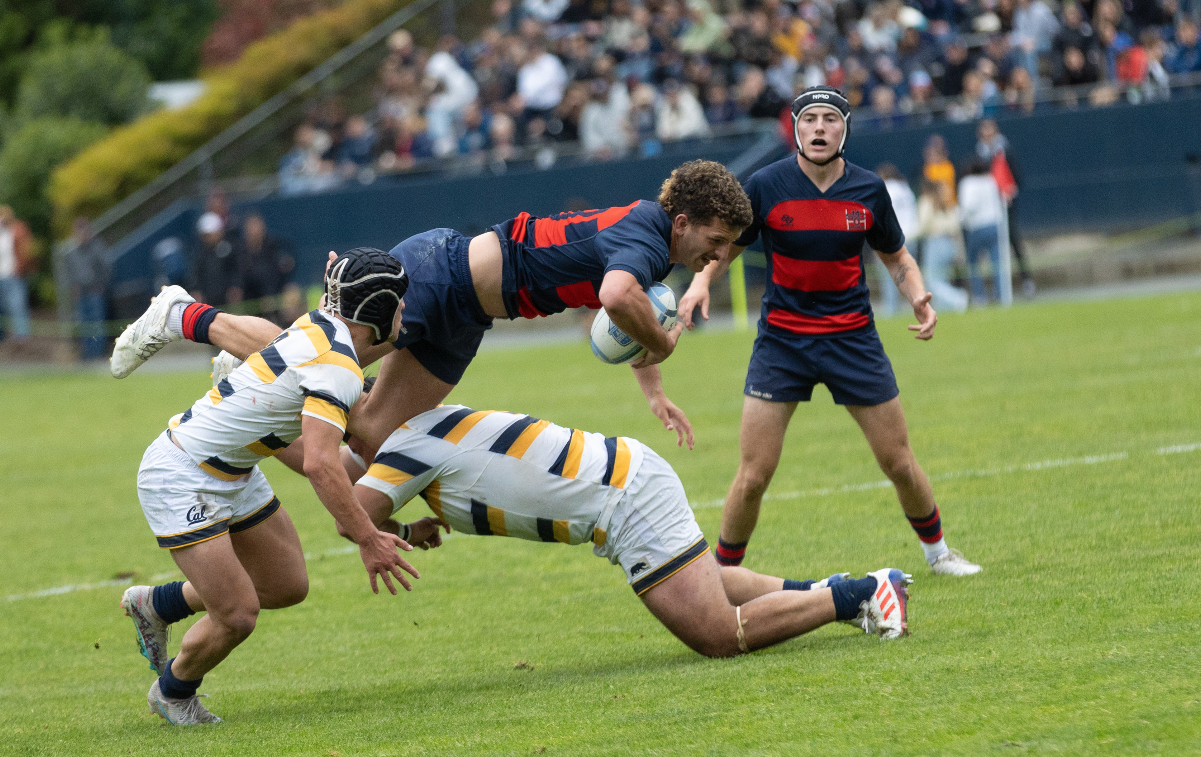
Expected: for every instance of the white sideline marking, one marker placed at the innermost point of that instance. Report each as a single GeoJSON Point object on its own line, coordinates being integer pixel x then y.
{"type": "Point", "coordinates": [844, 489]}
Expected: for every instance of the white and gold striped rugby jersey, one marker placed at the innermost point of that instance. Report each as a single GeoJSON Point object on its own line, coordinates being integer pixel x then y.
{"type": "Point", "coordinates": [500, 473]}
{"type": "Point", "coordinates": [310, 369]}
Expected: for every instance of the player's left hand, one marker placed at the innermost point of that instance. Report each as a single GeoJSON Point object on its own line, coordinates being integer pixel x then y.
{"type": "Point", "coordinates": [673, 419]}
{"type": "Point", "coordinates": [926, 317]}
{"type": "Point", "coordinates": [425, 534]}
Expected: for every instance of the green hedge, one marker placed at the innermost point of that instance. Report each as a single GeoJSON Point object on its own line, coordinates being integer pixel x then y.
{"type": "Point", "coordinates": [132, 156]}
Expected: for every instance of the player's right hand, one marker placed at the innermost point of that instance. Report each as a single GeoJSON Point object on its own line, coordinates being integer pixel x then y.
{"type": "Point", "coordinates": [653, 357]}
{"type": "Point", "coordinates": [425, 534]}
{"type": "Point", "coordinates": [694, 297]}
{"type": "Point", "coordinates": [381, 559]}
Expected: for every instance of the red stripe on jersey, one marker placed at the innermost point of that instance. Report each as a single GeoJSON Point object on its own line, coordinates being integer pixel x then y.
{"type": "Point", "coordinates": [579, 295]}
{"type": "Point", "coordinates": [517, 231]}
{"type": "Point", "coordinates": [526, 307]}
{"type": "Point", "coordinates": [815, 275]}
{"type": "Point", "coordinates": [820, 215]}
{"type": "Point", "coordinates": [551, 231]}
{"type": "Point", "coordinates": [807, 324]}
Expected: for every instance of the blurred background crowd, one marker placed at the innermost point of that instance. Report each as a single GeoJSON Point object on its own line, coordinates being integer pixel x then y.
{"type": "Point", "coordinates": [621, 76]}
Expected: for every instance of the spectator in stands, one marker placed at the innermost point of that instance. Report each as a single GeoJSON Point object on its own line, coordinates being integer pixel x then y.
{"type": "Point", "coordinates": [214, 275]}
{"type": "Point", "coordinates": [1156, 85]}
{"type": "Point", "coordinates": [756, 99]}
{"type": "Point", "coordinates": [706, 32]}
{"type": "Point", "coordinates": [980, 214]}
{"type": "Point", "coordinates": [302, 169]}
{"type": "Point", "coordinates": [503, 137]}
{"type": "Point", "coordinates": [1034, 29]}
{"type": "Point", "coordinates": [263, 268]}
{"type": "Point", "coordinates": [971, 104]}
{"type": "Point", "coordinates": [452, 89]}
{"type": "Point", "coordinates": [752, 40]}
{"type": "Point", "coordinates": [541, 82]}
{"type": "Point", "coordinates": [544, 11]}
{"type": "Point", "coordinates": [1185, 57]}
{"type": "Point", "coordinates": [884, 114]}
{"type": "Point", "coordinates": [720, 109]}
{"type": "Point", "coordinates": [88, 268]}
{"type": "Point", "coordinates": [473, 129]}
{"type": "Point", "coordinates": [16, 263]}
{"type": "Point", "coordinates": [1019, 92]}
{"type": "Point", "coordinates": [939, 232]}
{"type": "Point", "coordinates": [954, 64]}
{"type": "Point", "coordinates": [357, 150]}
{"type": "Point", "coordinates": [938, 166]}
{"type": "Point", "coordinates": [604, 121]}
{"type": "Point", "coordinates": [642, 120]}
{"type": "Point", "coordinates": [411, 144]}
{"type": "Point", "coordinates": [1074, 32]}
{"type": "Point", "coordinates": [878, 28]}
{"type": "Point", "coordinates": [1075, 69]}
{"type": "Point", "coordinates": [564, 123]}
{"type": "Point", "coordinates": [678, 115]}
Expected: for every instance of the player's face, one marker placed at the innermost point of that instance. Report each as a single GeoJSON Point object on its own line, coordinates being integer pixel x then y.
{"type": "Point", "coordinates": [701, 244]}
{"type": "Point", "coordinates": [398, 320]}
{"type": "Point", "coordinates": [819, 132]}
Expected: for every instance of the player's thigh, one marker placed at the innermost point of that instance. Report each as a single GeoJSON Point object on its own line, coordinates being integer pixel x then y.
{"type": "Point", "coordinates": [271, 554]}
{"type": "Point", "coordinates": [692, 605]}
{"type": "Point", "coordinates": [883, 425]}
{"type": "Point", "coordinates": [761, 436]}
{"type": "Point", "coordinates": [218, 576]}
{"type": "Point", "coordinates": [403, 389]}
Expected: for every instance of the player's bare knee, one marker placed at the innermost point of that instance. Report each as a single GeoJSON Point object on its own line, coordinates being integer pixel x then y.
{"type": "Point", "coordinates": [717, 643]}
{"type": "Point", "coordinates": [755, 479]}
{"type": "Point", "coordinates": [289, 595]}
{"type": "Point", "coordinates": [898, 464]}
{"type": "Point", "coordinates": [240, 623]}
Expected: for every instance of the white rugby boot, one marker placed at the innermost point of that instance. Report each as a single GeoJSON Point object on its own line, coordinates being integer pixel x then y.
{"type": "Point", "coordinates": [223, 365]}
{"type": "Point", "coordinates": [887, 612]}
{"type": "Point", "coordinates": [148, 334]}
{"type": "Point", "coordinates": [137, 601]}
{"type": "Point", "coordinates": [178, 711]}
{"type": "Point", "coordinates": [953, 563]}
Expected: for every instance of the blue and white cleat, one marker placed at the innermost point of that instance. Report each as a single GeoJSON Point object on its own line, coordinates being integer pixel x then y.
{"type": "Point", "coordinates": [178, 711]}
{"type": "Point", "coordinates": [152, 631]}
{"type": "Point", "coordinates": [886, 614]}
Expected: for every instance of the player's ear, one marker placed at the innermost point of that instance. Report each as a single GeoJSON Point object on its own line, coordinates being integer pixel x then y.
{"type": "Point", "coordinates": [679, 224]}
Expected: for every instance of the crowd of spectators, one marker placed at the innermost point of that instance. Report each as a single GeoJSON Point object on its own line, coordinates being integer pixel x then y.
{"type": "Point", "coordinates": [624, 76]}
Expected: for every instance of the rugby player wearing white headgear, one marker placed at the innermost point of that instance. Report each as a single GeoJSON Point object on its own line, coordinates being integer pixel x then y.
{"type": "Point", "coordinates": [207, 501]}
{"type": "Point", "coordinates": [815, 211]}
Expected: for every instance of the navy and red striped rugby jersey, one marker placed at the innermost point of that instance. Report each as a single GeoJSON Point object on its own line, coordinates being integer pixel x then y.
{"type": "Point", "coordinates": [558, 262]}
{"type": "Point", "coordinates": [812, 241]}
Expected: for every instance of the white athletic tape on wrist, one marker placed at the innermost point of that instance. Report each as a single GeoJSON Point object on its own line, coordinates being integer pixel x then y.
{"type": "Point", "coordinates": [741, 636]}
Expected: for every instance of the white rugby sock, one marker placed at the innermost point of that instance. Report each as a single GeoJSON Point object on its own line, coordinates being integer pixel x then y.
{"type": "Point", "coordinates": [175, 318]}
{"type": "Point", "coordinates": [934, 550]}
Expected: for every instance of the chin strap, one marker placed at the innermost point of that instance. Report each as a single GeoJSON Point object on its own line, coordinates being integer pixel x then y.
{"type": "Point", "coordinates": [741, 636]}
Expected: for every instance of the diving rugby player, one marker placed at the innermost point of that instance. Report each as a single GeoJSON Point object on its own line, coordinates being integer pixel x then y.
{"type": "Point", "coordinates": [207, 501]}
{"type": "Point", "coordinates": [525, 267]}
{"type": "Point", "coordinates": [815, 211]}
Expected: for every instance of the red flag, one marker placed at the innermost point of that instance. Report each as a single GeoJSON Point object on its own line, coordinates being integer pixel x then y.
{"type": "Point", "coordinates": [1004, 177]}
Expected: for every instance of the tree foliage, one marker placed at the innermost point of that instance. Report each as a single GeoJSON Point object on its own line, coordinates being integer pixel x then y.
{"type": "Point", "coordinates": [30, 154]}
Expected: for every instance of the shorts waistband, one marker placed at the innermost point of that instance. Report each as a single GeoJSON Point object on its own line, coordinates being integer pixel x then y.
{"type": "Point", "coordinates": [167, 442]}
{"type": "Point", "coordinates": [460, 271]}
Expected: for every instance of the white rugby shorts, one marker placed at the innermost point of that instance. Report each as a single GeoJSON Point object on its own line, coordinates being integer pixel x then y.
{"type": "Point", "coordinates": [185, 506]}
{"type": "Point", "coordinates": [652, 533]}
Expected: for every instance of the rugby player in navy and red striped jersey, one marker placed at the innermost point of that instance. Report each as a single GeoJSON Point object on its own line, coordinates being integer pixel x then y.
{"type": "Point", "coordinates": [525, 267]}
{"type": "Point", "coordinates": [814, 212]}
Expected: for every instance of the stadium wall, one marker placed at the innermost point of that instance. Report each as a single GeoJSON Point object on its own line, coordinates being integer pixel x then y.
{"type": "Point", "coordinates": [1098, 169]}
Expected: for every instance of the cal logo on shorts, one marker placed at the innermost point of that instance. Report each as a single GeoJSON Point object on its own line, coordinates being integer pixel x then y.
{"type": "Point", "coordinates": [856, 220]}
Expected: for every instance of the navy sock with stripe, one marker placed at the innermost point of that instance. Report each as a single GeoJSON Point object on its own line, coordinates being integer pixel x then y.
{"type": "Point", "coordinates": [197, 317]}
{"type": "Point", "coordinates": [176, 688]}
{"type": "Point", "coordinates": [791, 585]}
{"type": "Point", "coordinates": [849, 594]}
{"type": "Point", "coordinates": [730, 554]}
{"type": "Point", "coordinates": [169, 603]}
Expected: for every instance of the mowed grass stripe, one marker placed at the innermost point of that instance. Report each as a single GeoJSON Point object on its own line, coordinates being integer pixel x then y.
{"type": "Point", "coordinates": [1079, 637]}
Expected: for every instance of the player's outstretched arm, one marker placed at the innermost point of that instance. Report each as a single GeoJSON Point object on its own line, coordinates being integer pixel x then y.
{"type": "Point", "coordinates": [698, 292]}
{"type": "Point", "coordinates": [325, 472]}
{"type": "Point", "coordinates": [904, 271]}
{"type": "Point", "coordinates": [650, 381]}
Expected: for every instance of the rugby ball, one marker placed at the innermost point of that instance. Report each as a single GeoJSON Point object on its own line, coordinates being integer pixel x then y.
{"type": "Point", "coordinates": [613, 346]}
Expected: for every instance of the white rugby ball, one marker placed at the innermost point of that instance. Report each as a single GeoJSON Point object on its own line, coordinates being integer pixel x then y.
{"type": "Point", "coordinates": [613, 346]}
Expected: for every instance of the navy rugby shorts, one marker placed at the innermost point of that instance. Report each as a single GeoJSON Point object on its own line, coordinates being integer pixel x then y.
{"type": "Point", "coordinates": [443, 320]}
{"type": "Point", "coordinates": [785, 367]}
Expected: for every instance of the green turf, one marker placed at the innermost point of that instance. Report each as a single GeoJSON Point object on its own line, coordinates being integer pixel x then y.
{"type": "Point", "coordinates": [1040, 426]}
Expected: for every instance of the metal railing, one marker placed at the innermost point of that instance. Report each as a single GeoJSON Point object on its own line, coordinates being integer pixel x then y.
{"type": "Point", "coordinates": [223, 153]}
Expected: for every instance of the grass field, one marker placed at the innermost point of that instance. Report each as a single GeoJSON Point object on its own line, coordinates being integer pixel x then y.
{"type": "Point", "coordinates": [1064, 441]}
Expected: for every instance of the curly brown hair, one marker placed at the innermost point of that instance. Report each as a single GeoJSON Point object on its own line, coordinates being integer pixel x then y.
{"type": "Point", "coordinates": [704, 190]}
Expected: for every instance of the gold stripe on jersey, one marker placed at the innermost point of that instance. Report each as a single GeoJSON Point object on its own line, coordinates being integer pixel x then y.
{"type": "Point", "coordinates": [575, 453]}
{"type": "Point", "coordinates": [335, 358]}
{"type": "Point", "coordinates": [621, 465]}
{"type": "Point", "coordinates": [599, 537]}
{"type": "Point", "coordinates": [460, 430]}
{"type": "Point", "coordinates": [527, 438]}
{"type": "Point", "coordinates": [562, 531]}
{"type": "Point", "coordinates": [388, 474]}
{"type": "Point", "coordinates": [325, 409]}
{"type": "Point", "coordinates": [314, 332]}
{"type": "Point", "coordinates": [432, 495]}
{"type": "Point", "coordinates": [214, 396]}
{"type": "Point", "coordinates": [259, 366]}
{"type": "Point", "coordinates": [496, 521]}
